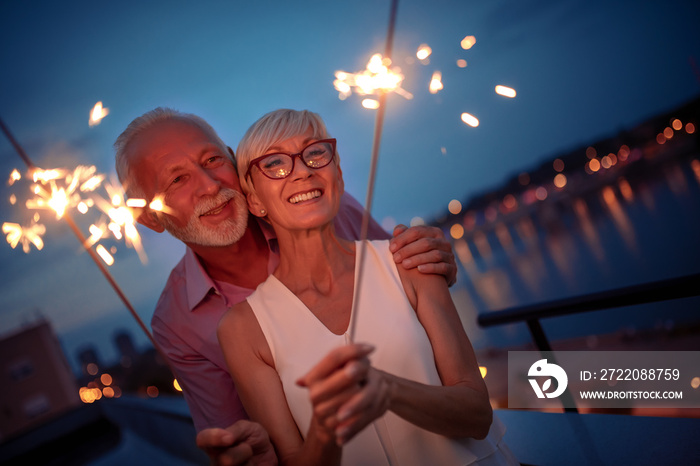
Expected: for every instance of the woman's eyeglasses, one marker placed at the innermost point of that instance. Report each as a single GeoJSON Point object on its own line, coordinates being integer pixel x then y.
{"type": "Point", "coordinates": [280, 164]}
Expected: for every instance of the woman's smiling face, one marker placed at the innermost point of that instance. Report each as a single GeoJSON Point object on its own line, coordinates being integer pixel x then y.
{"type": "Point", "coordinates": [307, 198]}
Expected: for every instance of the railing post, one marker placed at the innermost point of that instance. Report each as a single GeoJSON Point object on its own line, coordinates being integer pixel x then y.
{"type": "Point", "coordinates": [543, 345]}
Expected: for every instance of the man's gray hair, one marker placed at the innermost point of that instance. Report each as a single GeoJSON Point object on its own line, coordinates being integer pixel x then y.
{"type": "Point", "coordinates": [271, 128]}
{"type": "Point", "coordinates": [141, 124]}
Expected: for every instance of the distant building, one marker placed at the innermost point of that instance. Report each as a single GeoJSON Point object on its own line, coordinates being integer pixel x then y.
{"type": "Point", "coordinates": [37, 382]}
{"type": "Point", "coordinates": [126, 348]}
{"type": "Point", "coordinates": [89, 361]}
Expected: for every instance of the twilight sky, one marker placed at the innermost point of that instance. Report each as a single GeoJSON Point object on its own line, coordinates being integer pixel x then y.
{"type": "Point", "coordinates": [582, 70]}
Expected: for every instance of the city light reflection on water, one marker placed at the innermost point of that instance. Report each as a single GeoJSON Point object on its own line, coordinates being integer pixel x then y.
{"type": "Point", "coordinates": [629, 231]}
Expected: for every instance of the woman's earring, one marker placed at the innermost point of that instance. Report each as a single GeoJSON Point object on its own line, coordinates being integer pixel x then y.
{"type": "Point", "coordinates": [262, 212]}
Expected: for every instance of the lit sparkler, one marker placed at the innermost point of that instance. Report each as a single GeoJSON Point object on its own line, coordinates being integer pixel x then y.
{"type": "Point", "coordinates": [378, 77]}
{"type": "Point", "coordinates": [60, 190]}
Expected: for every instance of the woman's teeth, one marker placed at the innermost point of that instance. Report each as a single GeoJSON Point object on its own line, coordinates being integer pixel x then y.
{"type": "Point", "coordinates": [305, 196]}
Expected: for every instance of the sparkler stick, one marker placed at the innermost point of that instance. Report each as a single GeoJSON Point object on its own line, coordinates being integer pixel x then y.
{"type": "Point", "coordinates": [16, 145]}
{"type": "Point", "coordinates": [378, 125]}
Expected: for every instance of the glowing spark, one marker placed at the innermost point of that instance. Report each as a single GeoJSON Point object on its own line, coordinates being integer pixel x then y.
{"type": "Point", "coordinates": [157, 204]}
{"type": "Point", "coordinates": [96, 234]}
{"type": "Point", "coordinates": [44, 176]}
{"type": "Point", "coordinates": [436, 83]}
{"type": "Point", "coordinates": [82, 207]}
{"type": "Point", "coordinates": [14, 176]}
{"type": "Point", "coordinates": [121, 215]}
{"type": "Point", "coordinates": [462, 63]}
{"type": "Point", "coordinates": [122, 218]}
{"type": "Point", "coordinates": [378, 77]}
{"type": "Point", "coordinates": [505, 91]}
{"type": "Point", "coordinates": [371, 104]}
{"type": "Point", "coordinates": [115, 193]}
{"type": "Point", "coordinates": [423, 52]}
{"type": "Point", "coordinates": [471, 120]}
{"type": "Point", "coordinates": [136, 203]}
{"type": "Point", "coordinates": [27, 236]}
{"type": "Point", "coordinates": [58, 202]}
{"type": "Point", "coordinates": [116, 230]}
{"type": "Point", "coordinates": [468, 42]}
{"type": "Point", "coordinates": [92, 184]}
{"type": "Point", "coordinates": [13, 199]}
{"type": "Point", "coordinates": [104, 254]}
{"type": "Point", "coordinates": [97, 114]}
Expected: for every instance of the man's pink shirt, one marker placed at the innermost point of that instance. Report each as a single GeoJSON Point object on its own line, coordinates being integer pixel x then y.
{"type": "Point", "coordinates": [188, 312]}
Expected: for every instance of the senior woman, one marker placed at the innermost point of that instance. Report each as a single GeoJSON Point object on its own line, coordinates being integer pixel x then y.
{"type": "Point", "coordinates": [421, 401]}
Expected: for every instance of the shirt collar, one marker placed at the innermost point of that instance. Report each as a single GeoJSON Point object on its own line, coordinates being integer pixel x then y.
{"type": "Point", "coordinates": [198, 282]}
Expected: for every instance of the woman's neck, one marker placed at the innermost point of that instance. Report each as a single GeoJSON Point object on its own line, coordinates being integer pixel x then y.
{"type": "Point", "coordinates": [313, 259]}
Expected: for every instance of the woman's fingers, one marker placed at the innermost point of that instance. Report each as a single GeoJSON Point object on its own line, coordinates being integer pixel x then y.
{"type": "Point", "coordinates": [336, 379]}
{"type": "Point", "coordinates": [334, 361]}
{"type": "Point", "coordinates": [363, 408]}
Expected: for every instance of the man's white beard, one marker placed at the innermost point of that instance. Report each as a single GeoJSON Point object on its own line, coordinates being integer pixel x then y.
{"type": "Point", "coordinates": [226, 233]}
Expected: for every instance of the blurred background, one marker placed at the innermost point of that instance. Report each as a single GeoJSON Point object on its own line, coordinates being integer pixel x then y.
{"type": "Point", "coordinates": [580, 174]}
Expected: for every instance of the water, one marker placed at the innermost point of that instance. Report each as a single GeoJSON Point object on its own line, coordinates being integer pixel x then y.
{"type": "Point", "coordinates": [634, 229]}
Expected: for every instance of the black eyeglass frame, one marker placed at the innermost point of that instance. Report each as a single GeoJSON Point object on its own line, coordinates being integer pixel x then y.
{"type": "Point", "coordinates": [256, 161]}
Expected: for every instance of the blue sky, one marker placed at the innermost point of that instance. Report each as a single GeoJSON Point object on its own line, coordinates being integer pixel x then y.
{"type": "Point", "coordinates": [582, 69]}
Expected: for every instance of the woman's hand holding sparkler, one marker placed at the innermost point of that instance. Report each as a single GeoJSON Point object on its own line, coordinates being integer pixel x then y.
{"type": "Point", "coordinates": [347, 394]}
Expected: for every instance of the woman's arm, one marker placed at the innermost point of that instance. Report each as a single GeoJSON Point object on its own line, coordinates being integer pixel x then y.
{"type": "Point", "coordinates": [250, 362]}
{"type": "Point", "coordinates": [461, 407]}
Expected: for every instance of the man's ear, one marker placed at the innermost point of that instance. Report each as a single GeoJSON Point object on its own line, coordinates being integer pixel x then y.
{"type": "Point", "coordinates": [149, 219]}
{"type": "Point", "coordinates": [255, 206]}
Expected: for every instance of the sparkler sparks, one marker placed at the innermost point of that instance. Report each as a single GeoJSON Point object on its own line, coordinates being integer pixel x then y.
{"type": "Point", "coordinates": [97, 114]}
{"type": "Point", "coordinates": [378, 77]}
{"type": "Point", "coordinates": [470, 119]}
{"type": "Point", "coordinates": [423, 52]}
{"type": "Point", "coordinates": [468, 42]}
{"type": "Point", "coordinates": [505, 91]}
{"type": "Point", "coordinates": [61, 190]}
{"type": "Point", "coordinates": [436, 83]}
{"type": "Point", "coordinates": [14, 176]}
{"type": "Point", "coordinates": [31, 235]}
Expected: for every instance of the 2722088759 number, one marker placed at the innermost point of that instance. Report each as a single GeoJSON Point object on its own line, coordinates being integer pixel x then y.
{"type": "Point", "coordinates": [639, 374]}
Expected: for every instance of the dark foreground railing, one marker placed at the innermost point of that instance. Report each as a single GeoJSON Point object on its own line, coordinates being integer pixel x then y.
{"type": "Point", "coordinates": [664, 290]}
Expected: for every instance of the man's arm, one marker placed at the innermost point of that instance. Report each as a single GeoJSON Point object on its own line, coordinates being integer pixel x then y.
{"type": "Point", "coordinates": [208, 389]}
{"type": "Point", "coordinates": [426, 248]}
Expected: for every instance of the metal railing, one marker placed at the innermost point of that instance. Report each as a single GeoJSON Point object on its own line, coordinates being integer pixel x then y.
{"type": "Point", "coordinates": [663, 290]}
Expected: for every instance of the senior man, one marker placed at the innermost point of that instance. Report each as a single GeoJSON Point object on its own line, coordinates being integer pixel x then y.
{"type": "Point", "coordinates": [179, 158]}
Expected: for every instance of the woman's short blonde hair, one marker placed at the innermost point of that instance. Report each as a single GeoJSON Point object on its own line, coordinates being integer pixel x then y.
{"type": "Point", "coordinates": [271, 128]}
